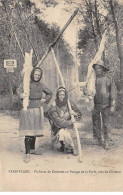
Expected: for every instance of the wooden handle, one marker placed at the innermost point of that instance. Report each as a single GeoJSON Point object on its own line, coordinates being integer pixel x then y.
{"type": "Point", "coordinates": [57, 38]}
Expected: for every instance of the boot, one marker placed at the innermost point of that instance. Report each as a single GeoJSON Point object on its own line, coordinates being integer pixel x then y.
{"type": "Point", "coordinates": [100, 142]}
{"type": "Point", "coordinates": [106, 145]}
{"type": "Point", "coordinates": [95, 141]}
{"type": "Point", "coordinates": [27, 149]}
{"type": "Point", "coordinates": [75, 153]}
{"type": "Point", "coordinates": [28, 141]}
{"type": "Point", "coordinates": [32, 147]}
{"type": "Point", "coordinates": [61, 149]}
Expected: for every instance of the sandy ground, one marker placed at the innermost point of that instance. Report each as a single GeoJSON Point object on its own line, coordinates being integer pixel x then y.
{"type": "Point", "coordinates": [51, 170]}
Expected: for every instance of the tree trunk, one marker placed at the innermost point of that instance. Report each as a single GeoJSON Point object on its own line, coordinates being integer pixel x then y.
{"type": "Point", "coordinates": [120, 55]}
{"type": "Point", "coordinates": [98, 26]}
{"type": "Point", "coordinates": [92, 25]}
{"type": "Point", "coordinates": [119, 48]}
{"type": "Point", "coordinates": [97, 20]}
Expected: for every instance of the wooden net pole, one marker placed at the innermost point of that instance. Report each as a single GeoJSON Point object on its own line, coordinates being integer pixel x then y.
{"type": "Point", "coordinates": [57, 38]}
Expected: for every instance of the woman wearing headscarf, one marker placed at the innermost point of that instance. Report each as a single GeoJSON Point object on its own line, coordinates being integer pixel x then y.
{"type": "Point", "coordinates": [31, 121]}
{"type": "Point", "coordinates": [60, 120]}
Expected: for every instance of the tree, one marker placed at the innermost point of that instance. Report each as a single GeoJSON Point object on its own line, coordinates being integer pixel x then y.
{"type": "Point", "coordinates": [20, 18]}
{"type": "Point", "coordinates": [118, 40]}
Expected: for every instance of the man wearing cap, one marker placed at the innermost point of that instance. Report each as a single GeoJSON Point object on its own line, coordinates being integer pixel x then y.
{"type": "Point", "coordinates": [104, 102]}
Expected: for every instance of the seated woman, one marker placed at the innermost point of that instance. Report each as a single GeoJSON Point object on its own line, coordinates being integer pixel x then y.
{"type": "Point", "coordinates": [60, 120]}
{"type": "Point", "coordinates": [31, 121]}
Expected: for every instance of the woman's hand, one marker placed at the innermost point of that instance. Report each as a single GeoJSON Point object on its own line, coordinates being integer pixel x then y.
{"type": "Point", "coordinates": [73, 113]}
{"type": "Point", "coordinates": [23, 95]}
{"type": "Point", "coordinates": [43, 101]}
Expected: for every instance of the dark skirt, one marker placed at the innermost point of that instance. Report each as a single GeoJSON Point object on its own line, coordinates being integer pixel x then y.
{"type": "Point", "coordinates": [31, 122]}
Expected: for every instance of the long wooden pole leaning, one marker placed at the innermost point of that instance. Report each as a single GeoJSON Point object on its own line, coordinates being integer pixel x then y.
{"type": "Point", "coordinates": [69, 106]}
{"type": "Point", "coordinates": [57, 38]}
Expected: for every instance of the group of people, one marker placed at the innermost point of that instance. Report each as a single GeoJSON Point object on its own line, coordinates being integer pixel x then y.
{"type": "Point", "coordinates": [59, 115]}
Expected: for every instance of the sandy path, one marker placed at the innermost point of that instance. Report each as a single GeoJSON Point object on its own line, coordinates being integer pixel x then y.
{"type": "Point", "coordinates": [61, 167]}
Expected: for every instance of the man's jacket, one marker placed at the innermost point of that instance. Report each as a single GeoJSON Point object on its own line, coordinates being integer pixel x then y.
{"type": "Point", "coordinates": [105, 91]}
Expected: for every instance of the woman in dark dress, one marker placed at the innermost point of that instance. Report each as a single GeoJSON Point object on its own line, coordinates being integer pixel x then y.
{"type": "Point", "coordinates": [31, 121]}
{"type": "Point", "coordinates": [60, 120]}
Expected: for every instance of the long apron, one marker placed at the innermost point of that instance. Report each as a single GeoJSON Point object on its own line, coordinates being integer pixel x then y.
{"type": "Point", "coordinates": [32, 122]}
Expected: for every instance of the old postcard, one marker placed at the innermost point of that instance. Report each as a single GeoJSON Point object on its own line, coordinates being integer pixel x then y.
{"type": "Point", "coordinates": [61, 95]}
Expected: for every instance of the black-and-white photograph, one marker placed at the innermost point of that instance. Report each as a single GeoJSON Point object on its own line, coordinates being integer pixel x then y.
{"type": "Point", "coordinates": [61, 95]}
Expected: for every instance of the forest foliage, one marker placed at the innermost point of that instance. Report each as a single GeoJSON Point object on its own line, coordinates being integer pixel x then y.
{"type": "Point", "coordinates": [21, 17]}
